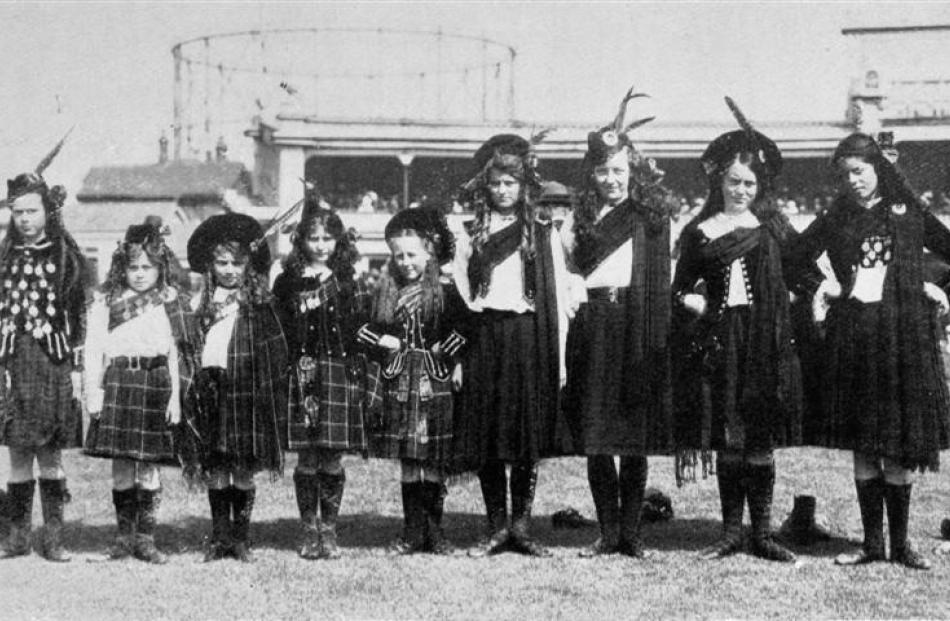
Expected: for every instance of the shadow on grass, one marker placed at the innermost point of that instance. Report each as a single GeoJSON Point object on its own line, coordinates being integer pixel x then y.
{"type": "Point", "coordinates": [375, 532]}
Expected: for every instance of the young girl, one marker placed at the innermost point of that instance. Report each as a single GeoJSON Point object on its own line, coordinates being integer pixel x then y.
{"type": "Point", "coordinates": [242, 384]}
{"type": "Point", "coordinates": [140, 344]}
{"type": "Point", "coordinates": [321, 305]}
{"type": "Point", "coordinates": [748, 375]}
{"type": "Point", "coordinates": [618, 368]}
{"type": "Point", "coordinates": [509, 269]}
{"type": "Point", "coordinates": [884, 392]}
{"type": "Point", "coordinates": [414, 326]}
{"type": "Point", "coordinates": [42, 297]}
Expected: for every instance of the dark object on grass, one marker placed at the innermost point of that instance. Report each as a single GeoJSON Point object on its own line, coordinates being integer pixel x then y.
{"type": "Point", "coordinates": [801, 527]}
{"type": "Point", "coordinates": [945, 528]}
{"type": "Point", "coordinates": [569, 517]}
{"type": "Point", "coordinates": [657, 506]}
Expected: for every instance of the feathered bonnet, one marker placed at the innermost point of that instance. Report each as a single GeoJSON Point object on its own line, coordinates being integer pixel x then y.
{"type": "Point", "coordinates": [721, 152]}
{"type": "Point", "coordinates": [510, 153]}
{"type": "Point", "coordinates": [428, 224]}
{"type": "Point", "coordinates": [33, 182]}
{"type": "Point", "coordinates": [225, 228]}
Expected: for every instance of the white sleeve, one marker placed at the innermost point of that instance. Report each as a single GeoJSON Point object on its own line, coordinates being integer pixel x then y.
{"type": "Point", "coordinates": [174, 403]}
{"type": "Point", "coordinates": [562, 291]}
{"type": "Point", "coordinates": [463, 253]}
{"type": "Point", "coordinates": [97, 333]}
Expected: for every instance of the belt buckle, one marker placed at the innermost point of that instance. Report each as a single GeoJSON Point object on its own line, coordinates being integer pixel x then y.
{"type": "Point", "coordinates": [613, 293]}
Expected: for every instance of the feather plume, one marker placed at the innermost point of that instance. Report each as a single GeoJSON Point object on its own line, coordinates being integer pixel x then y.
{"type": "Point", "coordinates": [638, 123]}
{"type": "Point", "coordinates": [618, 120]}
{"type": "Point", "coordinates": [538, 137]}
{"type": "Point", "coordinates": [740, 118]}
{"type": "Point", "coordinates": [46, 161]}
{"type": "Point", "coordinates": [276, 223]}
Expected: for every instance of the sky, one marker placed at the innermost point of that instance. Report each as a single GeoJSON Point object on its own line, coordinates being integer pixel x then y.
{"type": "Point", "coordinates": [106, 67]}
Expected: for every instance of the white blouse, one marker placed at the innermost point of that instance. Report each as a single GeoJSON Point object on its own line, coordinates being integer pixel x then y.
{"type": "Point", "coordinates": [218, 337]}
{"type": "Point", "coordinates": [614, 271]}
{"type": "Point", "coordinates": [148, 335]}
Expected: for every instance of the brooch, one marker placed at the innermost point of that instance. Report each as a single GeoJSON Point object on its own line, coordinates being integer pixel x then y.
{"type": "Point", "coordinates": [899, 209]}
{"type": "Point", "coordinates": [609, 138]}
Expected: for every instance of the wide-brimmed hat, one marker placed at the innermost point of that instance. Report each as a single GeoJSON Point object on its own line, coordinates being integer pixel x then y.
{"type": "Point", "coordinates": [429, 224]}
{"type": "Point", "coordinates": [225, 228]}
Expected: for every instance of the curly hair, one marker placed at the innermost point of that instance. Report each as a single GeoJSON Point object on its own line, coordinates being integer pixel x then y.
{"type": "Point", "coordinates": [158, 255]}
{"type": "Point", "coordinates": [525, 208]}
{"type": "Point", "coordinates": [763, 205]}
{"type": "Point", "coordinates": [655, 200]}
{"type": "Point", "coordinates": [72, 270]}
{"type": "Point", "coordinates": [344, 255]}
{"type": "Point", "coordinates": [390, 283]}
{"type": "Point", "coordinates": [254, 287]}
{"type": "Point", "coordinates": [892, 184]}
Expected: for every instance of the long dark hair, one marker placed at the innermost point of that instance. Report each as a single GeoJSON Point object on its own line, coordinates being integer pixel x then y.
{"type": "Point", "coordinates": [892, 185]}
{"type": "Point", "coordinates": [763, 206]}
{"type": "Point", "coordinates": [342, 259]}
{"type": "Point", "coordinates": [525, 209]}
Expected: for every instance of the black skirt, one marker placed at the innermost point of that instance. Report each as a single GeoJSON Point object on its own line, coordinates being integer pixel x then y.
{"type": "Point", "coordinates": [604, 414]}
{"type": "Point", "coordinates": [875, 402]}
{"type": "Point", "coordinates": [499, 411]}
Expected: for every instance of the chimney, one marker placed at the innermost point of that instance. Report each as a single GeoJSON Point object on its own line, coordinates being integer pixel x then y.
{"type": "Point", "coordinates": [163, 149]}
{"type": "Point", "coordinates": [221, 150]}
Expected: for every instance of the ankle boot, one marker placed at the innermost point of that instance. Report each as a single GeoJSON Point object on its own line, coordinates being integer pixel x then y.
{"type": "Point", "coordinates": [52, 499]}
{"type": "Point", "coordinates": [414, 514]}
{"type": "Point", "coordinates": [730, 475]}
{"type": "Point", "coordinates": [897, 499]}
{"type": "Point", "coordinates": [126, 510]}
{"type": "Point", "coordinates": [20, 512]}
{"type": "Point", "coordinates": [800, 527]}
{"type": "Point", "coordinates": [761, 484]}
{"type": "Point", "coordinates": [220, 543]}
{"type": "Point", "coordinates": [604, 487]}
{"type": "Point", "coordinates": [494, 492]}
{"type": "Point", "coordinates": [633, 483]}
{"type": "Point", "coordinates": [434, 504]}
{"type": "Point", "coordinates": [871, 502]}
{"type": "Point", "coordinates": [145, 550]}
{"type": "Point", "coordinates": [331, 498]}
{"type": "Point", "coordinates": [307, 488]}
{"type": "Point", "coordinates": [524, 480]}
{"type": "Point", "coordinates": [242, 505]}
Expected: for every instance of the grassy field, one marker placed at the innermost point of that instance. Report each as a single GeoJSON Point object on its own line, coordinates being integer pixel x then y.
{"type": "Point", "coordinates": [366, 583]}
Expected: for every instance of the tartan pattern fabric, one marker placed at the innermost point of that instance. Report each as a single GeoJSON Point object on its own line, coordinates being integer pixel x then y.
{"type": "Point", "coordinates": [417, 416]}
{"type": "Point", "coordinates": [240, 423]}
{"type": "Point", "coordinates": [328, 410]}
{"type": "Point", "coordinates": [126, 309]}
{"type": "Point", "coordinates": [132, 422]}
{"type": "Point", "coordinates": [38, 408]}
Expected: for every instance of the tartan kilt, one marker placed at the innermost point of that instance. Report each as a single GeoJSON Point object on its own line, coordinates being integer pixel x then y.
{"type": "Point", "coordinates": [38, 409]}
{"type": "Point", "coordinates": [132, 422]}
{"type": "Point", "coordinates": [416, 422]}
{"type": "Point", "coordinates": [340, 395]}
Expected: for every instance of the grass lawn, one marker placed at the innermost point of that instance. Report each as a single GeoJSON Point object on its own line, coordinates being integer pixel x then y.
{"type": "Point", "coordinates": [366, 583]}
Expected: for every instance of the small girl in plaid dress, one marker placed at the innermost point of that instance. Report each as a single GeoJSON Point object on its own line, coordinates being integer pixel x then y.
{"type": "Point", "coordinates": [414, 322]}
{"type": "Point", "coordinates": [242, 385]}
{"type": "Point", "coordinates": [140, 344]}
{"type": "Point", "coordinates": [321, 305]}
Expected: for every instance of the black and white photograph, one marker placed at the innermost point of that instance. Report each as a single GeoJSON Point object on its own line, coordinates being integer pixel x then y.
{"type": "Point", "coordinates": [421, 309]}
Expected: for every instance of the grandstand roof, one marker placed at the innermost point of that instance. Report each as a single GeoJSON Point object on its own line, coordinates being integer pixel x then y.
{"type": "Point", "coordinates": [182, 181]}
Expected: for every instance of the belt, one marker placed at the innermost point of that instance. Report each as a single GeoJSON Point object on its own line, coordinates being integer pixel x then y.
{"type": "Point", "coordinates": [145, 363]}
{"type": "Point", "coordinates": [614, 295]}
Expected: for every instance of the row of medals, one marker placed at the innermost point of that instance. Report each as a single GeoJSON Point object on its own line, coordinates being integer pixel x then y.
{"type": "Point", "coordinates": [27, 297]}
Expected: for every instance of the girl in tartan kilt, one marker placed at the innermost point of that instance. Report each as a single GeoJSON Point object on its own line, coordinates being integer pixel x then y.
{"type": "Point", "coordinates": [141, 342]}
{"type": "Point", "coordinates": [332, 385]}
{"type": "Point", "coordinates": [241, 387]}
{"type": "Point", "coordinates": [42, 297]}
{"type": "Point", "coordinates": [414, 330]}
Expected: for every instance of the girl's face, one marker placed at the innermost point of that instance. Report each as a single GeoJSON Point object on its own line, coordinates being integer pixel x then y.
{"type": "Point", "coordinates": [228, 269]}
{"type": "Point", "coordinates": [504, 189]}
{"type": "Point", "coordinates": [318, 244]}
{"type": "Point", "coordinates": [410, 256]}
{"type": "Point", "coordinates": [859, 177]}
{"type": "Point", "coordinates": [141, 274]}
{"type": "Point", "coordinates": [612, 178]}
{"type": "Point", "coordinates": [739, 187]}
{"type": "Point", "coordinates": [29, 217]}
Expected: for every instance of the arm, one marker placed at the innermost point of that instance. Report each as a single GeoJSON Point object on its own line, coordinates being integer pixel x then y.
{"type": "Point", "coordinates": [97, 333]}
{"type": "Point", "coordinates": [463, 253]}
{"type": "Point", "coordinates": [173, 415]}
{"type": "Point", "coordinates": [576, 288]}
{"type": "Point", "coordinates": [799, 255]}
